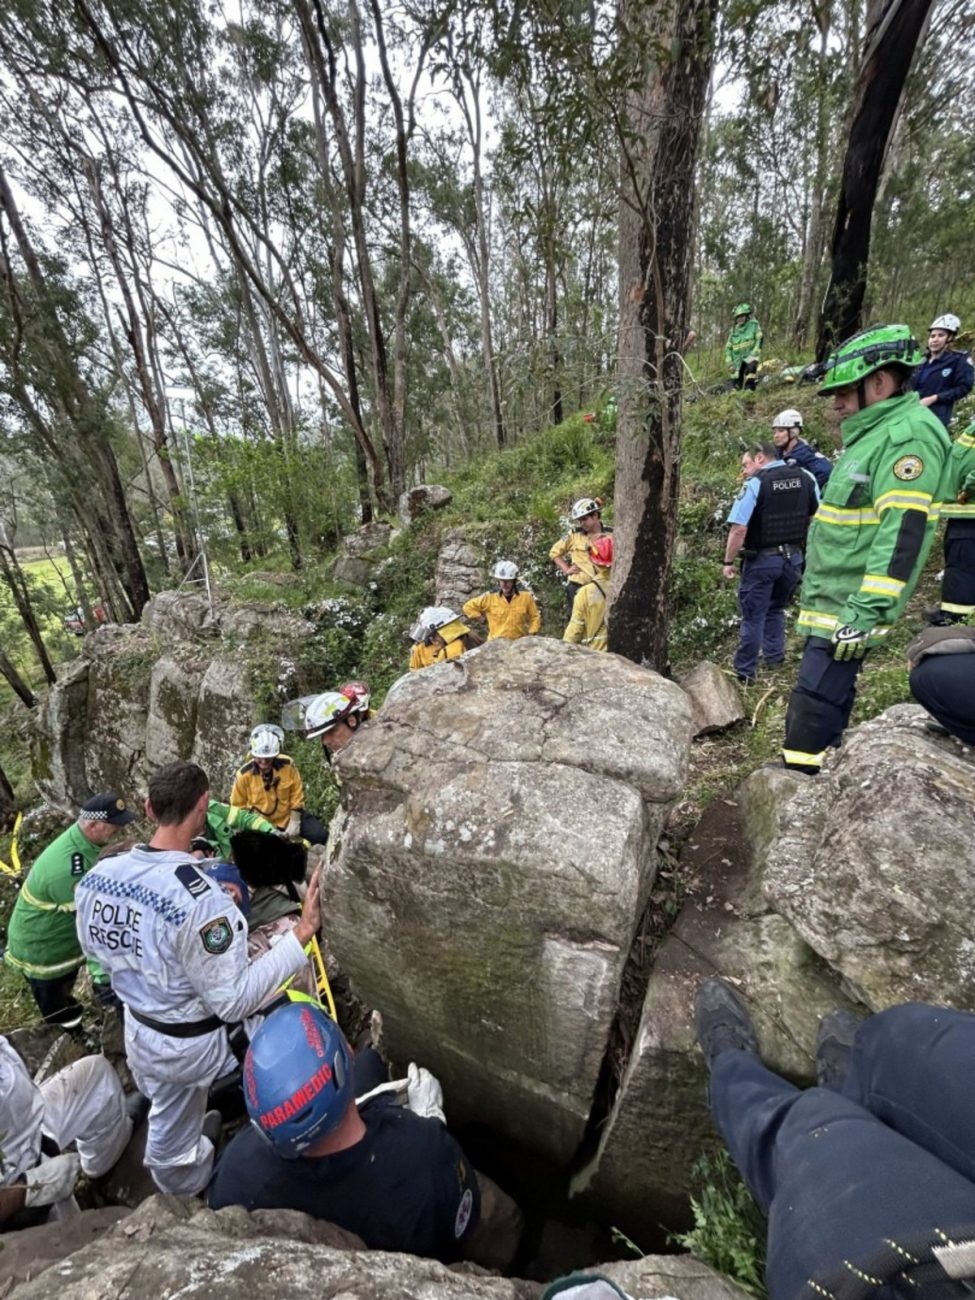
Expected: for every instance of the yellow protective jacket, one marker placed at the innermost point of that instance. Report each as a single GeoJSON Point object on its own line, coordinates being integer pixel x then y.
{"type": "Point", "coordinates": [274, 794]}
{"type": "Point", "coordinates": [575, 548]}
{"type": "Point", "coordinates": [422, 656]}
{"type": "Point", "coordinates": [506, 619]}
{"type": "Point", "coordinates": [587, 626]}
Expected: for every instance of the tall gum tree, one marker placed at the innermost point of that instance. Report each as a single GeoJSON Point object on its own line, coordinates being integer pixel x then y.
{"type": "Point", "coordinates": [659, 127]}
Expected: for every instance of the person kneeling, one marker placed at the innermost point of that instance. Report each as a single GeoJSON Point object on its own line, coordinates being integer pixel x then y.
{"type": "Point", "coordinates": [390, 1174]}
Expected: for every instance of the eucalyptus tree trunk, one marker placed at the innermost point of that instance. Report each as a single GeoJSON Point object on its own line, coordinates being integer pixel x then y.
{"type": "Point", "coordinates": [894, 33]}
{"type": "Point", "coordinates": [661, 116]}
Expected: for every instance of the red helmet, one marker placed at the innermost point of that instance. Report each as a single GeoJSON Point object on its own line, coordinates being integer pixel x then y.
{"type": "Point", "coordinates": [358, 693]}
{"type": "Point", "coordinates": [601, 551]}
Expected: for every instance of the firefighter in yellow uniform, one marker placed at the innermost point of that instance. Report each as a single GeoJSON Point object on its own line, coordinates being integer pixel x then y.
{"type": "Point", "coordinates": [271, 785]}
{"type": "Point", "coordinates": [511, 611]}
{"type": "Point", "coordinates": [570, 553]}
{"type": "Point", "coordinates": [439, 634]}
{"type": "Point", "coordinates": [587, 626]}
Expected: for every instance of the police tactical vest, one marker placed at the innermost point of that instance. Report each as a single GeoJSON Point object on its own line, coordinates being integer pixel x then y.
{"type": "Point", "coordinates": [781, 514]}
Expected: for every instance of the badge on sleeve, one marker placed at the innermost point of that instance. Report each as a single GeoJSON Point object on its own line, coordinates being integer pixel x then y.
{"type": "Point", "coordinates": [77, 864]}
{"type": "Point", "coordinates": [908, 468]}
{"type": "Point", "coordinates": [463, 1216]}
{"type": "Point", "coordinates": [217, 936]}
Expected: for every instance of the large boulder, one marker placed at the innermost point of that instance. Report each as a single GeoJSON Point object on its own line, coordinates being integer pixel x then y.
{"type": "Point", "coordinates": [460, 566]}
{"type": "Point", "coordinates": [174, 689]}
{"type": "Point", "coordinates": [716, 702]}
{"type": "Point", "coordinates": [426, 496]}
{"type": "Point", "coordinates": [170, 1247]}
{"type": "Point", "coordinates": [58, 736]}
{"type": "Point", "coordinates": [660, 1123]}
{"type": "Point", "coordinates": [493, 862]}
{"type": "Point", "coordinates": [873, 863]}
{"type": "Point", "coordinates": [121, 660]}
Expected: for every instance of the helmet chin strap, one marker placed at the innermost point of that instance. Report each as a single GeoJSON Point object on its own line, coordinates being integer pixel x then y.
{"type": "Point", "coordinates": [861, 394]}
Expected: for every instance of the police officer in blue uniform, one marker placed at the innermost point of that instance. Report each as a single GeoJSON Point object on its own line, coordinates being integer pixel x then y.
{"type": "Point", "coordinates": [769, 521]}
{"type": "Point", "coordinates": [946, 376]}
{"type": "Point", "coordinates": [794, 450]}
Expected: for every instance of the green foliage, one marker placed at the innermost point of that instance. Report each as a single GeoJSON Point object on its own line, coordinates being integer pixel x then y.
{"type": "Point", "coordinates": [729, 1229]}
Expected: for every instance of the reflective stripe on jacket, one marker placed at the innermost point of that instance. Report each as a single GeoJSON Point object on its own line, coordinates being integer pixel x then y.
{"type": "Point", "coordinates": [41, 937]}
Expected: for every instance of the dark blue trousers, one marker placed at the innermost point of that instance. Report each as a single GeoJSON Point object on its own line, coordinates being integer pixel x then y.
{"type": "Point", "coordinates": [945, 685]}
{"type": "Point", "coordinates": [841, 1173]}
{"type": "Point", "coordinates": [958, 583]}
{"type": "Point", "coordinates": [819, 706]}
{"type": "Point", "coordinates": [764, 590]}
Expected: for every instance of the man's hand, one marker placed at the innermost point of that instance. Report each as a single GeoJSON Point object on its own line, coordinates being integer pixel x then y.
{"type": "Point", "coordinates": [311, 914]}
{"type": "Point", "coordinates": [51, 1181]}
{"type": "Point", "coordinates": [424, 1095]}
{"type": "Point", "coordinates": [962, 497]}
{"type": "Point", "coordinates": [728, 572]}
{"type": "Point", "coordinates": [293, 828]}
{"type": "Point", "coordinates": [929, 401]}
{"type": "Point", "coordinates": [849, 642]}
{"type": "Point", "coordinates": [570, 569]}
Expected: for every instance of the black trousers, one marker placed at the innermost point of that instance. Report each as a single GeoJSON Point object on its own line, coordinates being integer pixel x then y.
{"type": "Point", "coordinates": [945, 685]}
{"type": "Point", "coordinates": [747, 375]}
{"type": "Point", "coordinates": [56, 1001]}
{"type": "Point", "coordinates": [819, 706]}
{"type": "Point", "coordinates": [958, 584]}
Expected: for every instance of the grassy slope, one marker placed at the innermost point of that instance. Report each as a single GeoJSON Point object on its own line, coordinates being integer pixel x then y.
{"type": "Point", "coordinates": [516, 500]}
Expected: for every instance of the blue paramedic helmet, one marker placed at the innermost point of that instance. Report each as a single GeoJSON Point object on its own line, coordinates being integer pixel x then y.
{"type": "Point", "coordinates": [225, 873]}
{"type": "Point", "coordinates": [297, 1078]}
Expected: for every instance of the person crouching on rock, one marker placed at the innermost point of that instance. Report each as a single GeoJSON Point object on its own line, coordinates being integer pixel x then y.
{"type": "Point", "coordinates": [391, 1174]}
{"type": "Point", "coordinates": [269, 783]}
{"type": "Point", "coordinates": [438, 634]}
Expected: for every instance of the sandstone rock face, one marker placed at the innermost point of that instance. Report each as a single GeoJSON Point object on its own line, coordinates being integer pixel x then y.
{"type": "Point", "coordinates": [58, 740]}
{"type": "Point", "coordinates": [170, 1247]}
{"type": "Point", "coordinates": [660, 1123]}
{"type": "Point", "coordinates": [367, 538]}
{"type": "Point", "coordinates": [494, 860]}
{"type": "Point", "coordinates": [874, 863]}
{"type": "Point", "coordinates": [716, 701]}
{"type": "Point", "coordinates": [179, 685]}
{"type": "Point", "coordinates": [460, 566]}
{"type": "Point", "coordinates": [426, 496]}
{"type": "Point", "coordinates": [174, 690]}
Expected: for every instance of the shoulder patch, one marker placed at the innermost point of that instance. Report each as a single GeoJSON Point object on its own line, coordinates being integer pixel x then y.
{"type": "Point", "coordinates": [908, 468]}
{"type": "Point", "coordinates": [217, 936]}
{"type": "Point", "coordinates": [77, 864]}
{"type": "Point", "coordinates": [192, 880]}
{"type": "Point", "coordinates": [463, 1214]}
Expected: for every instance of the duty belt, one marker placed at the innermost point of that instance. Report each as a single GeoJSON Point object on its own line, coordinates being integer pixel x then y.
{"type": "Point", "coordinates": [182, 1029]}
{"type": "Point", "coordinates": [787, 549]}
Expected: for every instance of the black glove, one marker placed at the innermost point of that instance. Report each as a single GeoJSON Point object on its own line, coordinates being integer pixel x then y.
{"type": "Point", "coordinates": [849, 642]}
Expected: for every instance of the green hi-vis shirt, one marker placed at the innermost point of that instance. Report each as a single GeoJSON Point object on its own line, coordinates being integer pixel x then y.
{"type": "Point", "coordinates": [223, 821]}
{"type": "Point", "coordinates": [41, 937]}
{"type": "Point", "coordinates": [876, 521]}
{"type": "Point", "coordinates": [960, 477]}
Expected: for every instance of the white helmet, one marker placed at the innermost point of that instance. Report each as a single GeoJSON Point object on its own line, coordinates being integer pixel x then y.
{"type": "Point", "coordinates": [505, 569]}
{"type": "Point", "coordinates": [266, 740]}
{"type": "Point", "coordinates": [788, 419]}
{"type": "Point", "coordinates": [326, 711]}
{"type": "Point", "coordinates": [585, 506]}
{"type": "Point", "coordinates": [430, 619]}
{"type": "Point", "coordinates": [949, 321]}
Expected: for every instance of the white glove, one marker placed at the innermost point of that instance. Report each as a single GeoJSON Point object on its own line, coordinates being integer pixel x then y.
{"type": "Point", "coordinates": [424, 1095]}
{"type": "Point", "coordinates": [52, 1181]}
{"type": "Point", "coordinates": [293, 828]}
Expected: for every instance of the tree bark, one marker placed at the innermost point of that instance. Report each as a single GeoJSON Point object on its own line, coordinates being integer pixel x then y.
{"type": "Point", "coordinates": [894, 29]}
{"type": "Point", "coordinates": [661, 123]}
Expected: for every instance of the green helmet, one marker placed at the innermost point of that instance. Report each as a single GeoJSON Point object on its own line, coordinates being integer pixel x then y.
{"type": "Point", "coordinates": [743, 309]}
{"type": "Point", "coordinates": [870, 350]}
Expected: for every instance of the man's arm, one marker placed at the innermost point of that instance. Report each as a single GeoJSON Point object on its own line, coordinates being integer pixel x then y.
{"type": "Point", "coordinates": [963, 376]}
{"type": "Point", "coordinates": [476, 607]}
{"type": "Point", "coordinates": [213, 951]}
{"type": "Point", "coordinates": [534, 615]}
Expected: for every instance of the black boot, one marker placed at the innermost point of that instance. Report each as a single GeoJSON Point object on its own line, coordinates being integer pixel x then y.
{"type": "Point", "coordinates": [834, 1048]}
{"type": "Point", "coordinates": [722, 1022]}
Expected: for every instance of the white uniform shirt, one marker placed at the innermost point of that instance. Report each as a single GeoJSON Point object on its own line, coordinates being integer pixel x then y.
{"type": "Point", "coordinates": [172, 941]}
{"type": "Point", "coordinates": [21, 1116]}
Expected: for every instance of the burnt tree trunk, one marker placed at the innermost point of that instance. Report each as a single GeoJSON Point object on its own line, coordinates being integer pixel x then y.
{"type": "Point", "coordinates": [895, 30]}
{"type": "Point", "coordinates": [662, 122]}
